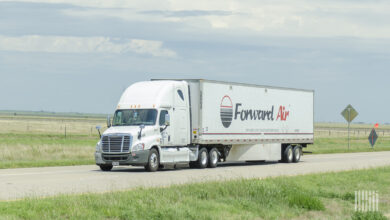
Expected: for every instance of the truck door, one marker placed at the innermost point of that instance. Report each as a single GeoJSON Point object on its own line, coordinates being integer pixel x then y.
{"type": "Point", "coordinates": [166, 133]}
{"type": "Point", "coordinates": [180, 118]}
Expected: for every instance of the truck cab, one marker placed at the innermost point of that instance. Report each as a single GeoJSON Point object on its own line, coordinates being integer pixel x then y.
{"type": "Point", "coordinates": [150, 127]}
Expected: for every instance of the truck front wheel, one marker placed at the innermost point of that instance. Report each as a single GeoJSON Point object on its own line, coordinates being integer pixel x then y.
{"type": "Point", "coordinates": [153, 161]}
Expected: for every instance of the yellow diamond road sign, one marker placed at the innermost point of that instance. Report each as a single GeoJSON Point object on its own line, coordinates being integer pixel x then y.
{"type": "Point", "coordinates": [349, 113]}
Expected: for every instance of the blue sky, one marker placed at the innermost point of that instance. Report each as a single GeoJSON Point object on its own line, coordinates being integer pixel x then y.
{"type": "Point", "coordinates": [78, 56]}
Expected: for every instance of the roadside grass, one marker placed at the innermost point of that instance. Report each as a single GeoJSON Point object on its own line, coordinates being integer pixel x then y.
{"type": "Point", "coordinates": [37, 141]}
{"type": "Point", "coordinates": [318, 196]}
{"type": "Point", "coordinates": [333, 138]}
{"type": "Point", "coordinates": [40, 140]}
{"type": "Point", "coordinates": [49, 125]}
{"type": "Point", "coordinates": [368, 216]}
{"type": "Point", "coordinates": [325, 145]}
{"type": "Point", "coordinates": [36, 150]}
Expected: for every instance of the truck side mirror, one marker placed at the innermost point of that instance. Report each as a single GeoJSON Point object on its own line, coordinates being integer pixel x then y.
{"type": "Point", "coordinates": [140, 131]}
{"type": "Point", "coordinates": [167, 120]}
{"type": "Point", "coordinates": [98, 127]}
{"type": "Point", "coordinates": [108, 121]}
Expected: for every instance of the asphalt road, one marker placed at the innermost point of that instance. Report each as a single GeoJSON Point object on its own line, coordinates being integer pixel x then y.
{"type": "Point", "coordinates": [47, 181]}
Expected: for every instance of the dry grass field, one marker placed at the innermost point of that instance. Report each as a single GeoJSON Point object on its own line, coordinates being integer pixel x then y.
{"type": "Point", "coordinates": [47, 141]}
{"type": "Point", "coordinates": [49, 125]}
{"type": "Point", "coordinates": [333, 138]}
{"type": "Point", "coordinates": [38, 140]}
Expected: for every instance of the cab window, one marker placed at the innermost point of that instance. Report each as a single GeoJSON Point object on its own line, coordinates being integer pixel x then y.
{"type": "Point", "coordinates": [162, 117]}
{"type": "Point", "coordinates": [180, 93]}
{"type": "Point", "coordinates": [133, 117]}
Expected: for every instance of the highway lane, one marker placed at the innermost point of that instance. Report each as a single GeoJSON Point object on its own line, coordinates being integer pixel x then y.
{"type": "Point", "coordinates": [48, 181]}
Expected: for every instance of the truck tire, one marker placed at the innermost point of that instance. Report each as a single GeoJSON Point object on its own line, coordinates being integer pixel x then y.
{"type": "Point", "coordinates": [297, 153]}
{"type": "Point", "coordinates": [153, 161]}
{"type": "Point", "coordinates": [203, 159]}
{"type": "Point", "coordinates": [213, 158]}
{"type": "Point", "coordinates": [288, 154]}
{"type": "Point", "coordinates": [105, 167]}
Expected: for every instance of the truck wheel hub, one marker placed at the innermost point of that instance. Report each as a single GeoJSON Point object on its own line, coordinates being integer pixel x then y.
{"type": "Point", "coordinates": [153, 160]}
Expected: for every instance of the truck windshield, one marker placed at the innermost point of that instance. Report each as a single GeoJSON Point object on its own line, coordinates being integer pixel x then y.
{"type": "Point", "coordinates": [130, 117]}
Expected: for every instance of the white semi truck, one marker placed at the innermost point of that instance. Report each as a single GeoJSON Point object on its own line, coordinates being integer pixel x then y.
{"type": "Point", "coordinates": [161, 123]}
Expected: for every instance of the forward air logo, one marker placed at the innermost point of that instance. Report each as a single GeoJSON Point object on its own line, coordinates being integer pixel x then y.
{"type": "Point", "coordinates": [226, 111]}
{"type": "Point", "coordinates": [249, 114]}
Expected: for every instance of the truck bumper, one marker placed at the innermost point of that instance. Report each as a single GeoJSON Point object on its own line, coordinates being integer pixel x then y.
{"type": "Point", "coordinates": [138, 158]}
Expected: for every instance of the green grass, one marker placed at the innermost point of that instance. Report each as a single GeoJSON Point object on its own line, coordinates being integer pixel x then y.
{"type": "Point", "coordinates": [323, 145]}
{"type": "Point", "coordinates": [50, 139]}
{"type": "Point", "coordinates": [325, 196]}
{"type": "Point", "coordinates": [368, 216]}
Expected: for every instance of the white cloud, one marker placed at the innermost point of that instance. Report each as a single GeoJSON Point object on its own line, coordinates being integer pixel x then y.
{"type": "Point", "coordinates": [64, 44]}
{"type": "Point", "coordinates": [301, 18]}
{"type": "Point", "coordinates": [108, 4]}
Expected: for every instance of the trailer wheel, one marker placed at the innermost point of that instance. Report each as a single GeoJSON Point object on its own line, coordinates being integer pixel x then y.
{"type": "Point", "coordinates": [297, 151]}
{"type": "Point", "coordinates": [288, 154]}
{"type": "Point", "coordinates": [153, 161]}
{"type": "Point", "coordinates": [203, 159]}
{"type": "Point", "coordinates": [104, 167]}
{"type": "Point", "coordinates": [213, 158]}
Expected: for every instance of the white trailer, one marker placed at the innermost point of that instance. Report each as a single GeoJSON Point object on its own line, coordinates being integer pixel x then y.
{"type": "Point", "coordinates": [160, 123]}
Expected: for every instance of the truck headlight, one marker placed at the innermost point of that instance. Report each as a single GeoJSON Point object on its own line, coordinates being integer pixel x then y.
{"type": "Point", "coordinates": [98, 146]}
{"type": "Point", "coordinates": [138, 147]}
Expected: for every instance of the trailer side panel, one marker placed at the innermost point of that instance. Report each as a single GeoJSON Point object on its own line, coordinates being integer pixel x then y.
{"type": "Point", "coordinates": [245, 114]}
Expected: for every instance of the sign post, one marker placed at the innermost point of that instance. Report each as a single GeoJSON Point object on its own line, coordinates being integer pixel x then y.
{"type": "Point", "coordinates": [349, 113]}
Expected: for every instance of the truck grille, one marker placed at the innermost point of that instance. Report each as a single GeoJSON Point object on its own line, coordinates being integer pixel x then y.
{"type": "Point", "coordinates": [116, 143]}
